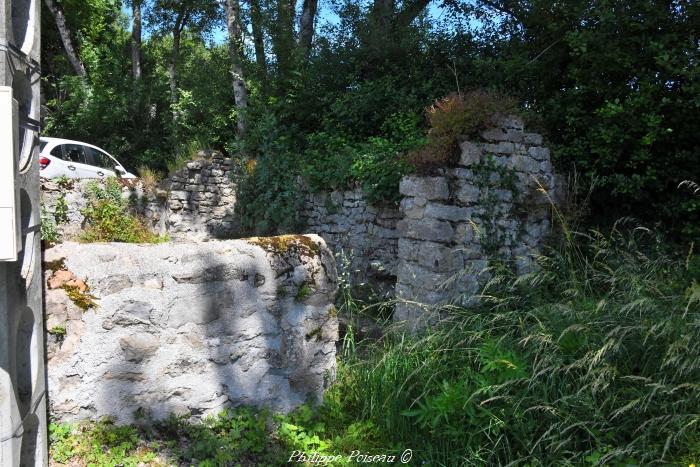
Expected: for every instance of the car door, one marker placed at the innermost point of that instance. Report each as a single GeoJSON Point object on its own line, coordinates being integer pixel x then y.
{"type": "Point", "coordinates": [101, 164]}
{"type": "Point", "coordinates": [76, 161]}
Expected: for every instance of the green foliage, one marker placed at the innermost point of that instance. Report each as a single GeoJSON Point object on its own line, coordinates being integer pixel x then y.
{"type": "Point", "coordinates": [101, 443]}
{"type": "Point", "coordinates": [268, 192]}
{"type": "Point", "coordinates": [108, 218]}
{"type": "Point", "coordinates": [303, 292]}
{"type": "Point", "coordinates": [60, 213]}
{"type": "Point", "coordinates": [240, 436]}
{"type": "Point", "coordinates": [49, 229]}
{"type": "Point", "coordinates": [59, 331]}
{"type": "Point", "coordinates": [377, 164]}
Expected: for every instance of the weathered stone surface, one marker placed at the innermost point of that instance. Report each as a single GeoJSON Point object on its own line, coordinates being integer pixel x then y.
{"type": "Point", "coordinates": [196, 346]}
{"type": "Point", "coordinates": [426, 229]}
{"type": "Point", "coordinates": [363, 237]}
{"type": "Point", "coordinates": [430, 188]}
{"type": "Point", "coordinates": [468, 194]}
{"type": "Point", "coordinates": [471, 154]}
{"type": "Point", "coordinates": [138, 347]}
{"type": "Point", "coordinates": [448, 212]}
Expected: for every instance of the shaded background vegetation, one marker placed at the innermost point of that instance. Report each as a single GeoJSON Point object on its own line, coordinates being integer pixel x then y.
{"type": "Point", "coordinates": [613, 84]}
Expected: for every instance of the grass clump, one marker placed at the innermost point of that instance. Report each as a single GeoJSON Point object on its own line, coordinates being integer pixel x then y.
{"type": "Point", "coordinates": [149, 178]}
{"type": "Point", "coordinates": [454, 117]}
{"type": "Point", "coordinates": [590, 360]}
{"type": "Point", "coordinates": [108, 218]}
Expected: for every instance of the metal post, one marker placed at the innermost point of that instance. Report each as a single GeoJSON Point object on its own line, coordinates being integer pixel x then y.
{"type": "Point", "coordinates": [23, 433]}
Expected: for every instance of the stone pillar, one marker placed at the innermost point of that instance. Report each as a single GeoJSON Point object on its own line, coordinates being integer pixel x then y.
{"type": "Point", "coordinates": [493, 207]}
{"type": "Point", "coordinates": [22, 376]}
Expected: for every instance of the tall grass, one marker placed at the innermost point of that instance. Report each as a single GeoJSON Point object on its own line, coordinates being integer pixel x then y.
{"type": "Point", "coordinates": [592, 359]}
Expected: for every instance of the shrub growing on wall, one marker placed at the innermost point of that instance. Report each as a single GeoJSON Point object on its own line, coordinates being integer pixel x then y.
{"type": "Point", "coordinates": [453, 117]}
{"type": "Point", "coordinates": [107, 217]}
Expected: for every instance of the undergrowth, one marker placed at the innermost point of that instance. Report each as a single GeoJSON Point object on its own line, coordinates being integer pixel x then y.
{"type": "Point", "coordinates": [108, 217]}
{"type": "Point", "coordinates": [590, 360]}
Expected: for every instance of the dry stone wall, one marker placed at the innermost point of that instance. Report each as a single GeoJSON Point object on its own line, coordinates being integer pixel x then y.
{"type": "Point", "coordinates": [363, 237]}
{"type": "Point", "coordinates": [492, 208]}
{"type": "Point", "coordinates": [196, 202]}
{"type": "Point", "coordinates": [188, 328]}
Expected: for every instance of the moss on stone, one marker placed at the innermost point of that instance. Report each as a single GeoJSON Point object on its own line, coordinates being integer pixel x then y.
{"type": "Point", "coordinates": [303, 292]}
{"type": "Point", "coordinates": [316, 333]}
{"type": "Point", "coordinates": [283, 243]}
{"type": "Point", "coordinates": [82, 300]}
{"type": "Point", "coordinates": [332, 311]}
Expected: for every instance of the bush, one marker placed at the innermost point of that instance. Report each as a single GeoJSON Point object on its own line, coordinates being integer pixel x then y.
{"type": "Point", "coordinates": [108, 219]}
{"type": "Point", "coordinates": [454, 117]}
{"type": "Point", "coordinates": [377, 163]}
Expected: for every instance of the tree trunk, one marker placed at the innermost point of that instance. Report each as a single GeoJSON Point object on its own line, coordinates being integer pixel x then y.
{"type": "Point", "coordinates": [235, 48]}
{"type": "Point", "coordinates": [306, 26]}
{"type": "Point", "coordinates": [64, 32]}
{"type": "Point", "coordinates": [172, 66]}
{"type": "Point", "coordinates": [136, 40]}
{"type": "Point", "coordinates": [282, 32]}
{"type": "Point", "coordinates": [410, 11]}
{"type": "Point", "coordinates": [258, 39]}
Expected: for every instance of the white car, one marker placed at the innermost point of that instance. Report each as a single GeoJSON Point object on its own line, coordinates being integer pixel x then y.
{"type": "Point", "coordinates": [74, 159]}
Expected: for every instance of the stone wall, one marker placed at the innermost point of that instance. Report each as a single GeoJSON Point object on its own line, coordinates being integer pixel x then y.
{"type": "Point", "coordinates": [169, 329]}
{"type": "Point", "coordinates": [361, 235]}
{"type": "Point", "coordinates": [197, 201]}
{"type": "Point", "coordinates": [491, 208]}
{"type": "Point", "coordinates": [194, 203]}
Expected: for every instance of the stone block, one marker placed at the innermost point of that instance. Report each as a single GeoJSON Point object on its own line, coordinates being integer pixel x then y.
{"type": "Point", "coordinates": [532, 138]}
{"type": "Point", "coordinates": [410, 209]}
{"type": "Point", "coordinates": [539, 153]}
{"type": "Point", "coordinates": [430, 188]}
{"type": "Point", "coordinates": [525, 164]}
{"type": "Point", "coordinates": [468, 194]}
{"type": "Point", "coordinates": [447, 212]}
{"type": "Point", "coordinates": [426, 229]}
{"type": "Point", "coordinates": [471, 153]}
{"type": "Point", "coordinates": [439, 258]}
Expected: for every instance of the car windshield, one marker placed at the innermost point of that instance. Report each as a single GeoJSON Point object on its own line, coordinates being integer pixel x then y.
{"type": "Point", "coordinates": [42, 145]}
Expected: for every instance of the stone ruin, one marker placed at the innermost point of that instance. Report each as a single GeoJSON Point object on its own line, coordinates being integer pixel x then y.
{"type": "Point", "coordinates": [191, 327]}
{"type": "Point", "coordinates": [433, 249]}
{"type": "Point", "coordinates": [197, 201]}
{"type": "Point", "coordinates": [493, 207]}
